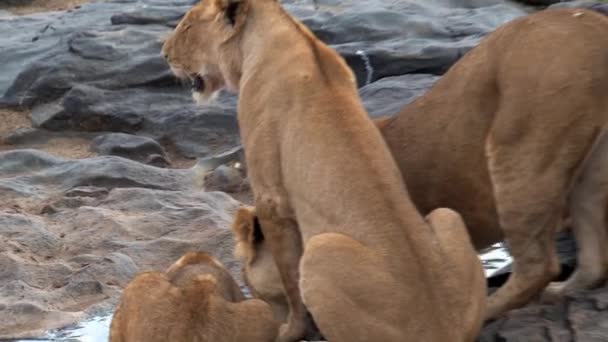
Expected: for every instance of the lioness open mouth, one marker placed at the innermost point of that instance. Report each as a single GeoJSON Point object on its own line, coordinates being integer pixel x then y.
{"type": "Point", "coordinates": [198, 84]}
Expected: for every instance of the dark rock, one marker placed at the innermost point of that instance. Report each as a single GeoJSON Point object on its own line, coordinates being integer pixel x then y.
{"type": "Point", "coordinates": [597, 6]}
{"type": "Point", "coordinates": [57, 175]}
{"type": "Point", "coordinates": [102, 247]}
{"type": "Point", "coordinates": [163, 16]}
{"type": "Point", "coordinates": [235, 154]}
{"type": "Point", "coordinates": [388, 95]}
{"type": "Point", "coordinates": [166, 115]}
{"type": "Point", "coordinates": [98, 68]}
{"type": "Point", "coordinates": [541, 2]}
{"type": "Point", "coordinates": [138, 148]}
{"type": "Point", "coordinates": [16, 2]}
{"type": "Point", "coordinates": [578, 318]}
{"type": "Point", "coordinates": [157, 160]}
{"type": "Point", "coordinates": [224, 178]}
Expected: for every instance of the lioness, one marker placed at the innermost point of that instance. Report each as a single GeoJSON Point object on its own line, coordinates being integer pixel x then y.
{"type": "Point", "coordinates": [510, 137]}
{"type": "Point", "coordinates": [196, 299]}
{"type": "Point", "coordinates": [328, 194]}
{"type": "Point", "coordinates": [513, 123]}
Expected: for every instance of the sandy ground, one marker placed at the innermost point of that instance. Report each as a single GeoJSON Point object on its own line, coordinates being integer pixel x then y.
{"type": "Point", "coordinates": [70, 146]}
{"type": "Point", "coordinates": [42, 6]}
{"type": "Point", "coordinates": [66, 147]}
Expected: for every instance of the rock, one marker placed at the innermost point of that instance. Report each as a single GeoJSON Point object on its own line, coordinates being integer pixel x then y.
{"type": "Point", "coordinates": [581, 317]}
{"type": "Point", "coordinates": [541, 2]}
{"type": "Point", "coordinates": [25, 173]}
{"type": "Point", "coordinates": [75, 232]}
{"type": "Point", "coordinates": [87, 191]}
{"type": "Point", "coordinates": [17, 2]}
{"type": "Point", "coordinates": [236, 155]}
{"type": "Point", "coordinates": [168, 115]}
{"type": "Point", "coordinates": [103, 245]}
{"type": "Point", "coordinates": [597, 6]}
{"type": "Point", "coordinates": [138, 148]}
{"type": "Point", "coordinates": [224, 178]}
{"type": "Point", "coordinates": [98, 67]}
{"type": "Point", "coordinates": [388, 95]}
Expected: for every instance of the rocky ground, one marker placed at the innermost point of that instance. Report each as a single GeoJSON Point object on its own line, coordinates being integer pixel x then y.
{"type": "Point", "coordinates": [108, 169]}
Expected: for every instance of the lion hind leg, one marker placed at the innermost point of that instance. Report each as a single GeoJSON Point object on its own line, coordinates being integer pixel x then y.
{"type": "Point", "coordinates": [470, 287]}
{"type": "Point", "coordinates": [588, 214]}
{"type": "Point", "coordinates": [285, 242]}
{"type": "Point", "coordinates": [530, 195]}
{"type": "Point", "coordinates": [347, 291]}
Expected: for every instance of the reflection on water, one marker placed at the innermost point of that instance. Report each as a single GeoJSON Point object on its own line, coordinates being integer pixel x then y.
{"type": "Point", "coordinates": [495, 258]}
{"type": "Point", "coordinates": [96, 329]}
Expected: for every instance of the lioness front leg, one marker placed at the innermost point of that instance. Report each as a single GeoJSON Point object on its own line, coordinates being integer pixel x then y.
{"type": "Point", "coordinates": [283, 237]}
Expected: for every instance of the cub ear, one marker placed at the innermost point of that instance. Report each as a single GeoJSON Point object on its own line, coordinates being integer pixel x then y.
{"type": "Point", "coordinates": [235, 11]}
{"type": "Point", "coordinates": [247, 232]}
{"type": "Point", "coordinates": [242, 226]}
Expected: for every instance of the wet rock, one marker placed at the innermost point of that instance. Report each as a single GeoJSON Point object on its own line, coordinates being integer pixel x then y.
{"type": "Point", "coordinates": [138, 148]}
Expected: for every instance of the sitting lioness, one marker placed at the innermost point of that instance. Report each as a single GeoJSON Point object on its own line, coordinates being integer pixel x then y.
{"type": "Point", "coordinates": [515, 123]}
{"type": "Point", "coordinates": [262, 277]}
{"type": "Point", "coordinates": [512, 136]}
{"type": "Point", "coordinates": [347, 240]}
{"type": "Point", "coordinates": [196, 299]}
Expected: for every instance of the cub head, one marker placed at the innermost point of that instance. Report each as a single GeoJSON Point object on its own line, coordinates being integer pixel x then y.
{"type": "Point", "coordinates": [203, 48]}
{"type": "Point", "coordinates": [259, 271]}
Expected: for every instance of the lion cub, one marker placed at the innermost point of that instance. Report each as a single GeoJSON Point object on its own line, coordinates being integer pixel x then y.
{"type": "Point", "coordinates": [196, 299]}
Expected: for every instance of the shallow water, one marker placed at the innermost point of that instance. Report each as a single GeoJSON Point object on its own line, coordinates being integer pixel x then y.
{"type": "Point", "coordinates": [96, 329]}
{"type": "Point", "coordinates": [92, 330]}
{"type": "Point", "coordinates": [495, 258]}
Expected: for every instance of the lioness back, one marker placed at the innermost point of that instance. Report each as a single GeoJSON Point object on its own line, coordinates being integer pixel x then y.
{"type": "Point", "coordinates": [502, 138]}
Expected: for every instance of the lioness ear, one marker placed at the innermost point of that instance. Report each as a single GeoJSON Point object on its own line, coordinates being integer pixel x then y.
{"type": "Point", "coordinates": [234, 11]}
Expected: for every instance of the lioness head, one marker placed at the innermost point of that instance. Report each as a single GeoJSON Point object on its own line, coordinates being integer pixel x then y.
{"type": "Point", "coordinates": [260, 272]}
{"type": "Point", "coordinates": [201, 49]}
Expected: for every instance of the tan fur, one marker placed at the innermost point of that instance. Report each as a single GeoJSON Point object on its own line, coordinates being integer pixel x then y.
{"type": "Point", "coordinates": [262, 277]}
{"type": "Point", "coordinates": [501, 139]}
{"type": "Point", "coordinates": [195, 300]}
{"type": "Point", "coordinates": [320, 170]}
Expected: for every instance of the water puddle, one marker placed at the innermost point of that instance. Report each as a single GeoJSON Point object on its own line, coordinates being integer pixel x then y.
{"type": "Point", "coordinates": [96, 329]}
{"type": "Point", "coordinates": [494, 259]}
